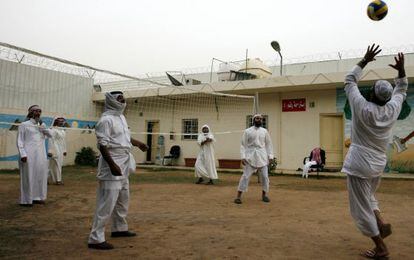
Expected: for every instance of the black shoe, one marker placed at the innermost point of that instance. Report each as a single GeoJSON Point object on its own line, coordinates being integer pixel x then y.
{"type": "Point", "coordinates": [101, 246]}
{"type": "Point", "coordinates": [42, 202]}
{"type": "Point", "coordinates": [26, 205]}
{"type": "Point", "coordinates": [265, 199]}
{"type": "Point", "coordinates": [123, 234]}
{"type": "Point", "coordinates": [238, 201]}
{"type": "Point", "coordinates": [210, 182]}
{"type": "Point", "coordinates": [200, 180]}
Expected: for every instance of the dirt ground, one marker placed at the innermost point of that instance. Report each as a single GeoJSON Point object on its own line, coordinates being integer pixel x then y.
{"type": "Point", "coordinates": [176, 219]}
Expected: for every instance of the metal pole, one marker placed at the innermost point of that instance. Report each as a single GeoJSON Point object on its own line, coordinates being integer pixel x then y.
{"type": "Point", "coordinates": [211, 70]}
{"type": "Point", "coordinates": [247, 52]}
{"type": "Point", "coordinates": [256, 103]}
{"type": "Point", "coordinates": [281, 64]}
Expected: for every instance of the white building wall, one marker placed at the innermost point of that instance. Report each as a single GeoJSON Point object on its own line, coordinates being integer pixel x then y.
{"type": "Point", "coordinates": [56, 93]}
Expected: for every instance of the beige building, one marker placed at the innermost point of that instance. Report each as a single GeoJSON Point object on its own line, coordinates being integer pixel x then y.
{"type": "Point", "coordinates": [304, 109]}
{"type": "Point", "coordinates": [321, 123]}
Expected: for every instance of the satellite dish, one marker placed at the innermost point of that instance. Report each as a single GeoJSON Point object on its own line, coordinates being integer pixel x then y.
{"type": "Point", "coordinates": [275, 46]}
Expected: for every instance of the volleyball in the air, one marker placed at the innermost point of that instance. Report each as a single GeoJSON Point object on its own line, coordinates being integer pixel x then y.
{"type": "Point", "coordinates": [377, 10]}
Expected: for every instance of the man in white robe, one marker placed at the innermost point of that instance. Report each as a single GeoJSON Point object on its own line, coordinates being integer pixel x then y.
{"type": "Point", "coordinates": [256, 152]}
{"type": "Point", "coordinates": [115, 164]}
{"type": "Point", "coordinates": [56, 150]}
{"type": "Point", "coordinates": [205, 166]}
{"type": "Point", "coordinates": [33, 159]}
{"type": "Point", "coordinates": [372, 122]}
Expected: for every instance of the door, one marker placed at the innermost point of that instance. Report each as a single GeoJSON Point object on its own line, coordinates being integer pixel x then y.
{"type": "Point", "coordinates": [152, 127]}
{"type": "Point", "coordinates": [332, 138]}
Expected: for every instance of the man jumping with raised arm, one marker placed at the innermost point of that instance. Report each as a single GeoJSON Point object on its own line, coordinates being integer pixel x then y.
{"type": "Point", "coordinates": [372, 122]}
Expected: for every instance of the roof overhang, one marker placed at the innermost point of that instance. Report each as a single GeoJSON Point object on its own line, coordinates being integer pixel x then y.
{"type": "Point", "coordinates": [321, 81]}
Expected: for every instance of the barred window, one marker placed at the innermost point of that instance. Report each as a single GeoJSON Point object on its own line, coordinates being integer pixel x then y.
{"type": "Point", "coordinates": [190, 129]}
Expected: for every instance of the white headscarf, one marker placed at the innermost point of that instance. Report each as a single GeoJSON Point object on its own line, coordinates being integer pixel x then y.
{"type": "Point", "coordinates": [113, 106]}
{"type": "Point", "coordinates": [257, 115]}
{"type": "Point", "coordinates": [56, 118]}
{"type": "Point", "coordinates": [383, 90]}
{"type": "Point", "coordinates": [209, 134]}
{"type": "Point", "coordinates": [30, 111]}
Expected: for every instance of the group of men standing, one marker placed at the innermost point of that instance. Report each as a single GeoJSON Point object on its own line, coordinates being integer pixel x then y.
{"type": "Point", "coordinates": [372, 122]}
{"type": "Point", "coordinates": [33, 164]}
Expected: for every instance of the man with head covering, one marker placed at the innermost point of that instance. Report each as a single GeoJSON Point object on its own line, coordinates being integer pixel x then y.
{"type": "Point", "coordinates": [33, 159]}
{"type": "Point", "coordinates": [56, 150]}
{"type": "Point", "coordinates": [256, 152]}
{"type": "Point", "coordinates": [372, 122]}
{"type": "Point", "coordinates": [205, 166]}
{"type": "Point", "coordinates": [115, 164]}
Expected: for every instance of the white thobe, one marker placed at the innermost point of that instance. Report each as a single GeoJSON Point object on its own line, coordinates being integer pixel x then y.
{"type": "Point", "coordinates": [366, 158]}
{"type": "Point", "coordinates": [371, 127]}
{"type": "Point", "coordinates": [205, 165]}
{"type": "Point", "coordinates": [33, 173]}
{"type": "Point", "coordinates": [57, 146]}
{"type": "Point", "coordinates": [112, 196]}
{"type": "Point", "coordinates": [257, 149]}
{"type": "Point", "coordinates": [306, 168]}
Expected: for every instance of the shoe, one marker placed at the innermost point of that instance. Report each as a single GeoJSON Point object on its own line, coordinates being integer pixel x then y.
{"type": "Point", "coordinates": [26, 205]}
{"type": "Point", "coordinates": [238, 201]}
{"type": "Point", "coordinates": [210, 182]}
{"type": "Point", "coordinates": [42, 202]}
{"type": "Point", "coordinates": [200, 180]}
{"type": "Point", "coordinates": [265, 199]}
{"type": "Point", "coordinates": [101, 246]}
{"type": "Point", "coordinates": [123, 234]}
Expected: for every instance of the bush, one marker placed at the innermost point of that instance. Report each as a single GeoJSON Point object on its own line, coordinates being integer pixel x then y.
{"type": "Point", "coordinates": [86, 156]}
{"type": "Point", "coordinates": [272, 165]}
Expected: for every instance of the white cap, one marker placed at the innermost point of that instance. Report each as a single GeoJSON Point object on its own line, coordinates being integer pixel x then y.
{"type": "Point", "coordinates": [257, 115]}
{"type": "Point", "coordinates": [383, 90]}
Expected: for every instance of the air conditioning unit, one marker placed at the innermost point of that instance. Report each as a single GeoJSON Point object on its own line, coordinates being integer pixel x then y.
{"type": "Point", "coordinates": [190, 81]}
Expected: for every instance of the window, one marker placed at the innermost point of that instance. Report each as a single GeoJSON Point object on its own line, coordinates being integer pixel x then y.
{"type": "Point", "coordinates": [249, 121]}
{"type": "Point", "coordinates": [190, 129]}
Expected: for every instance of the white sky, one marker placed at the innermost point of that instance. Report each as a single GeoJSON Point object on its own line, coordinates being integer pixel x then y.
{"type": "Point", "coordinates": [157, 35]}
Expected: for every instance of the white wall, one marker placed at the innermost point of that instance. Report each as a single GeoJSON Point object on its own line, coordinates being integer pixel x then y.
{"type": "Point", "coordinates": [57, 93]}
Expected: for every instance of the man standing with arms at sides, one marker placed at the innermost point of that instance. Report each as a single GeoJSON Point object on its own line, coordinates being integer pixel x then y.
{"type": "Point", "coordinates": [256, 152]}
{"type": "Point", "coordinates": [372, 122]}
{"type": "Point", "coordinates": [115, 164]}
{"type": "Point", "coordinates": [57, 150]}
{"type": "Point", "coordinates": [33, 159]}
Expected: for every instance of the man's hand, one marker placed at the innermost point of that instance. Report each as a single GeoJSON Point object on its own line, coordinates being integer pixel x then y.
{"type": "Point", "coordinates": [369, 56]}
{"type": "Point", "coordinates": [115, 170]}
{"type": "Point", "coordinates": [244, 161]}
{"type": "Point", "coordinates": [23, 159]}
{"type": "Point", "coordinates": [143, 147]}
{"type": "Point", "coordinates": [399, 65]}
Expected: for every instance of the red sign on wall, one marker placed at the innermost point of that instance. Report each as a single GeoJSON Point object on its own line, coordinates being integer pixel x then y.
{"type": "Point", "coordinates": [293, 105]}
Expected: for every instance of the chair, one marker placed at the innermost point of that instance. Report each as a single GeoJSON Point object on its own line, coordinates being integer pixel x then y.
{"type": "Point", "coordinates": [318, 167]}
{"type": "Point", "coordinates": [175, 151]}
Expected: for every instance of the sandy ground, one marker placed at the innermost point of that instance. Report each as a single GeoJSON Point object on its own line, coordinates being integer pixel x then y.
{"type": "Point", "coordinates": [176, 219]}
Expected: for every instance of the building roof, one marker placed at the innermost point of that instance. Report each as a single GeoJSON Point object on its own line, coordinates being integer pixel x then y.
{"type": "Point", "coordinates": [297, 77]}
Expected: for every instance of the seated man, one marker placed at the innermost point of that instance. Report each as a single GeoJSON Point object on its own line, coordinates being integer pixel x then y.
{"type": "Point", "coordinates": [316, 158]}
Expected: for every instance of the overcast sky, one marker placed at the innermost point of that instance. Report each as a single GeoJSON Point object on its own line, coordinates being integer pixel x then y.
{"type": "Point", "coordinates": [141, 36]}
